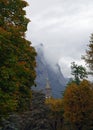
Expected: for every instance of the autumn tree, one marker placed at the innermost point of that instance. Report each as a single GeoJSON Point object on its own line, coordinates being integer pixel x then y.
{"type": "Point", "coordinates": [17, 58]}
{"type": "Point", "coordinates": [78, 71]}
{"type": "Point", "coordinates": [89, 55]}
{"type": "Point", "coordinates": [78, 105]}
{"type": "Point", "coordinates": [56, 113]}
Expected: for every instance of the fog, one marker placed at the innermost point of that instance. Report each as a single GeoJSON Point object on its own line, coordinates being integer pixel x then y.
{"type": "Point", "coordinates": [64, 27]}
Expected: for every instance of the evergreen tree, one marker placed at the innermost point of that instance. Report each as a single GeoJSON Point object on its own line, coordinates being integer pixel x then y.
{"type": "Point", "coordinates": [17, 58]}
{"type": "Point", "coordinates": [89, 55]}
{"type": "Point", "coordinates": [79, 72]}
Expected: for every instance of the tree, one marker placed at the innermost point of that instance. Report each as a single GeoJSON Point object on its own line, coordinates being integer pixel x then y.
{"type": "Point", "coordinates": [17, 58]}
{"type": "Point", "coordinates": [34, 119]}
{"type": "Point", "coordinates": [78, 71]}
{"type": "Point", "coordinates": [56, 113]}
{"type": "Point", "coordinates": [89, 55]}
{"type": "Point", "coordinates": [78, 105]}
{"type": "Point", "coordinates": [39, 113]}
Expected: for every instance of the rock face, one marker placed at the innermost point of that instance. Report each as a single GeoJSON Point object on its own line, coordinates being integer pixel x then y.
{"type": "Point", "coordinates": [45, 71]}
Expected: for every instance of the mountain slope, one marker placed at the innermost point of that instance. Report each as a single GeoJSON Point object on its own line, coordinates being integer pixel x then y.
{"type": "Point", "coordinates": [45, 71]}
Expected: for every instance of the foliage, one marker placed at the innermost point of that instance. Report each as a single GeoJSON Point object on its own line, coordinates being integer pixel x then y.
{"type": "Point", "coordinates": [17, 58]}
{"type": "Point", "coordinates": [89, 55]}
{"type": "Point", "coordinates": [55, 104]}
{"type": "Point", "coordinates": [78, 104]}
{"type": "Point", "coordinates": [78, 71]}
{"type": "Point", "coordinates": [7, 102]}
{"type": "Point", "coordinates": [39, 113]}
{"type": "Point", "coordinates": [34, 119]}
{"type": "Point", "coordinates": [56, 113]}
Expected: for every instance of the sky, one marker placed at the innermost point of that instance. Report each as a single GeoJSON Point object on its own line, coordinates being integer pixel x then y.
{"type": "Point", "coordinates": [64, 27]}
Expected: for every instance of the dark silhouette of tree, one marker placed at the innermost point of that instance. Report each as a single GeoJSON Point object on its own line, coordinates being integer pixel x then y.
{"type": "Point", "coordinates": [89, 55]}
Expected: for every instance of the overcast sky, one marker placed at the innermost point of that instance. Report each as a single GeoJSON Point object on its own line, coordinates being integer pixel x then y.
{"type": "Point", "coordinates": [63, 26]}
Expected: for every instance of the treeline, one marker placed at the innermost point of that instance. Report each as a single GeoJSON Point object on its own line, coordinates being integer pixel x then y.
{"type": "Point", "coordinates": [75, 110]}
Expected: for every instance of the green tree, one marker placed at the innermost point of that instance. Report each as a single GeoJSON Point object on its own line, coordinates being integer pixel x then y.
{"type": "Point", "coordinates": [89, 55]}
{"type": "Point", "coordinates": [17, 58]}
{"type": "Point", "coordinates": [78, 71]}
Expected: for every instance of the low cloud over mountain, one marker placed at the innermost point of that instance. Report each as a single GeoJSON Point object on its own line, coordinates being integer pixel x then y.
{"type": "Point", "coordinates": [46, 71]}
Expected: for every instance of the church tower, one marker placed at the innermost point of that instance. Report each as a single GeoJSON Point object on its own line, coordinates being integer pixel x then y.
{"type": "Point", "coordinates": [48, 89]}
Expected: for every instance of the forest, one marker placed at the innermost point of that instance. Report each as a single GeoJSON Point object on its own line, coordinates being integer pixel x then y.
{"type": "Point", "coordinates": [21, 108]}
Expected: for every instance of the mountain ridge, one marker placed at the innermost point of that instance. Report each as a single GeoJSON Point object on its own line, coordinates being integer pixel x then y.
{"type": "Point", "coordinates": [45, 71]}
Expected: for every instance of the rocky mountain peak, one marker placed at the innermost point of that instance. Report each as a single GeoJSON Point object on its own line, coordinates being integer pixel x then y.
{"type": "Point", "coordinates": [45, 71]}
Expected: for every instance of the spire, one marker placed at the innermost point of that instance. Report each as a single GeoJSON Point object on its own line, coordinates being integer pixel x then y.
{"type": "Point", "coordinates": [48, 89]}
{"type": "Point", "coordinates": [48, 85]}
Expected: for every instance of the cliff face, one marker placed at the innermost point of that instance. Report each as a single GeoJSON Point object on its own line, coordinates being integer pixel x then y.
{"type": "Point", "coordinates": [45, 71]}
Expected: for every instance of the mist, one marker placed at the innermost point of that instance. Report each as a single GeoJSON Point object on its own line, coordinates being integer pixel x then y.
{"type": "Point", "coordinates": [64, 27]}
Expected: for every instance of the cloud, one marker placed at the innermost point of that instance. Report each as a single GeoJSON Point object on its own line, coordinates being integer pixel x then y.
{"type": "Point", "coordinates": [62, 26]}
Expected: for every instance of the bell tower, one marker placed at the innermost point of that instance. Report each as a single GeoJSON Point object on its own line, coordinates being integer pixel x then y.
{"type": "Point", "coordinates": [48, 90]}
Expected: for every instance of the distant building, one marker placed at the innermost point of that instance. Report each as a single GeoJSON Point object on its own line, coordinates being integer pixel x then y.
{"type": "Point", "coordinates": [48, 90]}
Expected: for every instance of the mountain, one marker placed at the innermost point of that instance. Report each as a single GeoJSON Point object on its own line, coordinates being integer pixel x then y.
{"type": "Point", "coordinates": [45, 71]}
